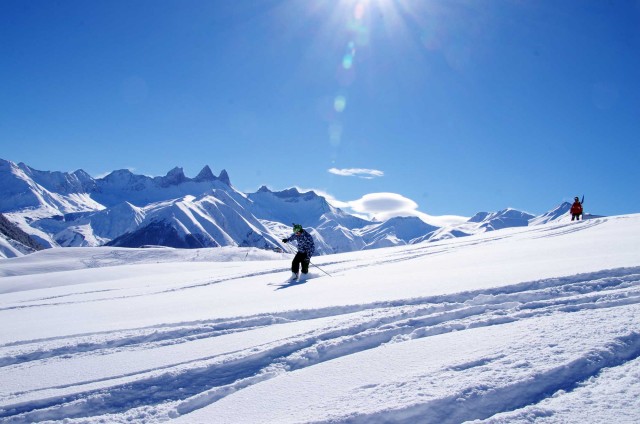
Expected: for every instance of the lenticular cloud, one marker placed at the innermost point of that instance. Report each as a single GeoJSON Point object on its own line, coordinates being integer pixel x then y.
{"type": "Point", "coordinates": [384, 204]}
{"type": "Point", "coordinates": [357, 172]}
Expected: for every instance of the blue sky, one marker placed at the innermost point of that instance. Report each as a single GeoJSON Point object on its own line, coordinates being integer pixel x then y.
{"type": "Point", "coordinates": [448, 107]}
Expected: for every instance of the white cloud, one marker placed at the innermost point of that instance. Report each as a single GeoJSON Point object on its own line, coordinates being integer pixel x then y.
{"type": "Point", "coordinates": [383, 202]}
{"type": "Point", "coordinates": [357, 172]}
{"type": "Point", "coordinates": [383, 206]}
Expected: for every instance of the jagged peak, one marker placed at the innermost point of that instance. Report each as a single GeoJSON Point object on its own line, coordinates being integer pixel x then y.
{"type": "Point", "coordinates": [205, 175]}
{"type": "Point", "coordinates": [177, 171]}
{"type": "Point", "coordinates": [264, 189]}
{"type": "Point", "coordinates": [224, 177]}
{"type": "Point", "coordinates": [174, 177]}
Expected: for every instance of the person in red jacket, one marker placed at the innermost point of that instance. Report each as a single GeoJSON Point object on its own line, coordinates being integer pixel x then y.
{"type": "Point", "coordinates": [576, 209]}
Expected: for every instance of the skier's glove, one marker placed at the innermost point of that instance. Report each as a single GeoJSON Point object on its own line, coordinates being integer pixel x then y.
{"type": "Point", "coordinates": [285, 240]}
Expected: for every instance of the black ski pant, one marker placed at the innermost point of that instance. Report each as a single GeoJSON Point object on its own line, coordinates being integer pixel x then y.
{"type": "Point", "coordinates": [300, 259]}
{"type": "Point", "coordinates": [575, 216]}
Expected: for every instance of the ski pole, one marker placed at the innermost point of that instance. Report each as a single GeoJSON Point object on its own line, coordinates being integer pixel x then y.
{"type": "Point", "coordinates": [311, 263]}
{"type": "Point", "coordinates": [321, 269]}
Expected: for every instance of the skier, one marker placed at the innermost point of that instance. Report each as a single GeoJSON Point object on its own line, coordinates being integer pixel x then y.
{"type": "Point", "coordinates": [576, 209]}
{"type": "Point", "coordinates": [306, 249]}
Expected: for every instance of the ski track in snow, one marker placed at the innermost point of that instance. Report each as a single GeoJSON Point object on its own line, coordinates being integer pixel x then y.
{"type": "Point", "coordinates": [196, 383]}
{"type": "Point", "coordinates": [116, 258]}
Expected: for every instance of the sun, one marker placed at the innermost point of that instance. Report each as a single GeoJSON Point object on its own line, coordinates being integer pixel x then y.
{"type": "Point", "coordinates": [394, 18]}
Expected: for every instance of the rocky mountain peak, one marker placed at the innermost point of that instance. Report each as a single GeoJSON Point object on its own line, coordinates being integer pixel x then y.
{"type": "Point", "coordinates": [224, 177]}
{"type": "Point", "coordinates": [174, 177]}
{"type": "Point", "coordinates": [205, 175]}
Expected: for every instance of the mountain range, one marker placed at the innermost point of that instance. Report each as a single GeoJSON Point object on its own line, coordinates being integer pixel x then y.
{"type": "Point", "coordinates": [60, 209]}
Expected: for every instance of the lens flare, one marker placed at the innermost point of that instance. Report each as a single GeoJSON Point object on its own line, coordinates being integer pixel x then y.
{"type": "Point", "coordinates": [358, 12]}
{"type": "Point", "coordinates": [347, 61]}
{"type": "Point", "coordinates": [335, 133]}
{"type": "Point", "coordinates": [340, 103]}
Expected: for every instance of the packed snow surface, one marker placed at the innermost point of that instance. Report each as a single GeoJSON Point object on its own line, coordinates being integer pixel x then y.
{"type": "Point", "coordinates": [531, 324]}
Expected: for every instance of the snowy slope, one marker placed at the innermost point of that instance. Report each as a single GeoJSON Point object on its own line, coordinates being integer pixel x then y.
{"type": "Point", "coordinates": [488, 328]}
{"type": "Point", "coordinates": [10, 249]}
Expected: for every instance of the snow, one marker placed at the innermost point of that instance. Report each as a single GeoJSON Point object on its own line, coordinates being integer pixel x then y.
{"type": "Point", "coordinates": [9, 248]}
{"type": "Point", "coordinates": [527, 324]}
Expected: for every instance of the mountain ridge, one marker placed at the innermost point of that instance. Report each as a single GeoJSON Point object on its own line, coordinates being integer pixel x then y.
{"type": "Point", "coordinates": [61, 209]}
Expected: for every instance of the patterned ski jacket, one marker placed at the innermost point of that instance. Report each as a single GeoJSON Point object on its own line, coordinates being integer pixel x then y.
{"type": "Point", "coordinates": [304, 241]}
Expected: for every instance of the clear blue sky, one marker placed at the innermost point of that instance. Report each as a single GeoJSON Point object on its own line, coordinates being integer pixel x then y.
{"type": "Point", "coordinates": [457, 106]}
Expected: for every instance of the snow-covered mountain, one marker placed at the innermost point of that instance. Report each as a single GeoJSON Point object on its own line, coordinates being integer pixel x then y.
{"type": "Point", "coordinates": [73, 209]}
{"type": "Point", "coordinates": [480, 223]}
{"type": "Point", "coordinates": [60, 209]}
{"type": "Point", "coordinates": [42, 193]}
{"type": "Point", "coordinates": [396, 231]}
{"type": "Point", "coordinates": [14, 241]}
{"type": "Point", "coordinates": [211, 220]}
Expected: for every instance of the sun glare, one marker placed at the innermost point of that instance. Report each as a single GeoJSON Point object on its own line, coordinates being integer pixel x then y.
{"type": "Point", "coordinates": [355, 30]}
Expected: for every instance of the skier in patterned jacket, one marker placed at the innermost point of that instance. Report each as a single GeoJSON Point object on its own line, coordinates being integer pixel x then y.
{"type": "Point", "coordinates": [306, 249]}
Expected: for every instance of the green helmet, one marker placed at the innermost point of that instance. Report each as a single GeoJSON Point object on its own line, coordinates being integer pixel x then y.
{"type": "Point", "coordinates": [297, 228]}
